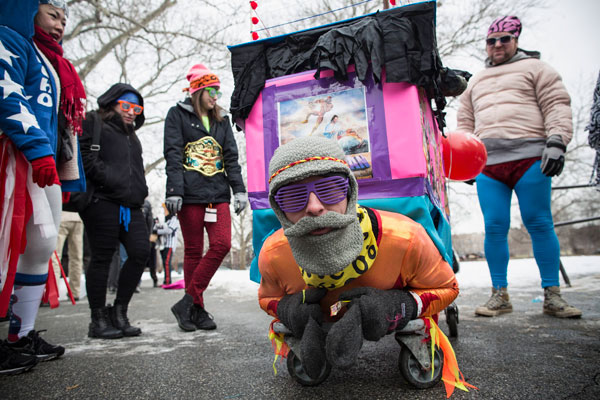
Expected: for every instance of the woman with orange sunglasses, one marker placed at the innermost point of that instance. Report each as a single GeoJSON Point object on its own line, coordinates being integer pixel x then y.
{"type": "Point", "coordinates": [115, 174]}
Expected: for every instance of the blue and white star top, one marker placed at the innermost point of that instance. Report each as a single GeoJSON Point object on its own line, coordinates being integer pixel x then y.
{"type": "Point", "coordinates": [28, 96]}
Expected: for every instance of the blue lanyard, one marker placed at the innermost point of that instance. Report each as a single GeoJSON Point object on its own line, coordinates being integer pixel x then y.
{"type": "Point", "coordinates": [125, 217]}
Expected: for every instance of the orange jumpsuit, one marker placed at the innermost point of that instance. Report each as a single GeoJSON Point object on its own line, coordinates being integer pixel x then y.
{"type": "Point", "coordinates": [406, 259]}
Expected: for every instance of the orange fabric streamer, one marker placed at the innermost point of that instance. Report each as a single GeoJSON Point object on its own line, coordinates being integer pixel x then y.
{"type": "Point", "coordinates": [280, 347]}
{"type": "Point", "coordinates": [451, 375]}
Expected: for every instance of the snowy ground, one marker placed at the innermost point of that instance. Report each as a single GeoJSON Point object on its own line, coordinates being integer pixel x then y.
{"type": "Point", "coordinates": [522, 355]}
{"type": "Point", "coordinates": [472, 274]}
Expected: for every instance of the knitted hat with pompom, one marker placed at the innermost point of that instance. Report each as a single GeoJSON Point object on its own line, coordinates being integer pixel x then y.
{"type": "Point", "coordinates": [201, 77]}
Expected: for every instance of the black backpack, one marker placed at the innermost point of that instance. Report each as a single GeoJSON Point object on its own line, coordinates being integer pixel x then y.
{"type": "Point", "coordinates": [79, 201]}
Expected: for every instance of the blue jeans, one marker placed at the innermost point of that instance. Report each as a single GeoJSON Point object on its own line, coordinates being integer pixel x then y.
{"type": "Point", "coordinates": [533, 192]}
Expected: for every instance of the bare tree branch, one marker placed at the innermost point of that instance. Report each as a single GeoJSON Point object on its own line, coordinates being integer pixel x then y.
{"type": "Point", "coordinates": [135, 27]}
{"type": "Point", "coordinates": [153, 165]}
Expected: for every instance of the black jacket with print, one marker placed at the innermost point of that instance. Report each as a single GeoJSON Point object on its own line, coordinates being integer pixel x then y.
{"type": "Point", "coordinates": [182, 126]}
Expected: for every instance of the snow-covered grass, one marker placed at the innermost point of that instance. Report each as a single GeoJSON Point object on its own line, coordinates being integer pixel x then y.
{"type": "Point", "coordinates": [472, 274]}
{"type": "Point", "coordinates": [523, 272]}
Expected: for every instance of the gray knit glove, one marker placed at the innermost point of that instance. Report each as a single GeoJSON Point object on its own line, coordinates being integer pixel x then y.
{"type": "Point", "coordinates": [553, 159]}
{"type": "Point", "coordinates": [381, 311]}
{"type": "Point", "coordinates": [295, 309]}
{"type": "Point", "coordinates": [173, 204]}
{"type": "Point", "coordinates": [239, 202]}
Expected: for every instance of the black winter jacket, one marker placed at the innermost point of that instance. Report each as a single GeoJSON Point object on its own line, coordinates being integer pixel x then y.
{"type": "Point", "coordinates": [183, 127]}
{"type": "Point", "coordinates": [117, 172]}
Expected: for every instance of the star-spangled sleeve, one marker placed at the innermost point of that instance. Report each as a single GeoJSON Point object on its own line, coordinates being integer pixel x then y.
{"type": "Point", "coordinates": [18, 120]}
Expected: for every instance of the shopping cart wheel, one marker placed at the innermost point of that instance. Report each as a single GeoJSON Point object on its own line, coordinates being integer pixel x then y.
{"type": "Point", "coordinates": [418, 375]}
{"type": "Point", "coordinates": [296, 371]}
{"type": "Point", "coordinates": [452, 319]}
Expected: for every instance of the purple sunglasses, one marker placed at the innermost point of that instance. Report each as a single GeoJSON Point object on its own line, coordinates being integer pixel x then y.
{"type": "Point", "coordinates": [329, 190]}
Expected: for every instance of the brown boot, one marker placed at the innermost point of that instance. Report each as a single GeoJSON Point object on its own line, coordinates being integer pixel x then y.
{"type": "Point", "coordinates": [556, 306]}
{"type": "Point", "coordinates": [499, 303]}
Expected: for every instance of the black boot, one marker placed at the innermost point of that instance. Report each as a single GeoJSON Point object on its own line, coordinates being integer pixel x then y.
{"type": "Point", "coordinates": [118, 317]}
{"type": "Point", "coordinates": [202, 319]}
{"type": "Point", "coordinates": [183, 312]}
{"type": "Point", "coordinates": [101, 327]}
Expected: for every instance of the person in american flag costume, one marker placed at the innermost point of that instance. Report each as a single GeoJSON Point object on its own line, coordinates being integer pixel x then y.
{"type": "Point", "coordinates": [41, 96]}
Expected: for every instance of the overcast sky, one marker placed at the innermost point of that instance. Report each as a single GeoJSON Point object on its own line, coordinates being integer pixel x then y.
{"type": "Point", "coordinates": [568, 35]}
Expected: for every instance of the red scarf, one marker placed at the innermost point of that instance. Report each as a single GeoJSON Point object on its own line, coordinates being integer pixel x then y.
{"type": "Point", "coordinates": [72, 94]}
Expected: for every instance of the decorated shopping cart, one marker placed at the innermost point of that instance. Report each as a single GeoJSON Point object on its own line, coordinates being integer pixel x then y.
{"type": "Point", "coordinates": [377, 86]}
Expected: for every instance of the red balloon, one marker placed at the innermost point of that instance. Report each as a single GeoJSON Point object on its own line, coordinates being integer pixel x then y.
{"type": "Point", "coordinates": [254, 20]}
{"type": "Point", "coordinates": [253, 4]}
{"type": "Point", "coordinates": [254, 36]}
{"type": "Point", "coordinates": [464, 156]}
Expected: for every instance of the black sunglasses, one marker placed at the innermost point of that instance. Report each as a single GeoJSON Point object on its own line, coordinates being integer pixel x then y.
{"type": "Point", "coordinates": [502, 39]}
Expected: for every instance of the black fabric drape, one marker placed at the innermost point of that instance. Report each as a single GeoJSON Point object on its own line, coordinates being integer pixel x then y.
{"type": "Point", "coordinates": [403, 40]}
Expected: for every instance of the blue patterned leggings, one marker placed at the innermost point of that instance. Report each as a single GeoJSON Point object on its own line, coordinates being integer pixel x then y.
{"type": "Point", "coordinates": [533, 192]}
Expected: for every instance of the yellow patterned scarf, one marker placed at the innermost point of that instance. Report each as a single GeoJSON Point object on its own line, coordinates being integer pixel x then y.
{"type": "Point", "coordinates": [359, 266]}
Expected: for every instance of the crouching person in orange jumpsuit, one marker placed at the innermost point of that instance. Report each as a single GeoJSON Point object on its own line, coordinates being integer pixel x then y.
{"type": "Point", "coordinates": [381, 266]}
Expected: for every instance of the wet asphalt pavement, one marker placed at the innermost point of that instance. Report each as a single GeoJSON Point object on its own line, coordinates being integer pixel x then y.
{"type": "Point", "coordinates": [523, 355]}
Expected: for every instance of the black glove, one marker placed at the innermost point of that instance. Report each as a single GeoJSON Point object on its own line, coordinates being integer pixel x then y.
{"type": "Point", "coordinates": [553, 159]}
{"type": "Point", "coordinates": [381, 310]}
{"type": "Point", "coordinates": [453, 81]}
{"type": "Point", "coordinates": [295, 309]}
{"type": "Point", "coordinates": [344, 339]}
{"type": "Point", "coordinates": [312, 349]}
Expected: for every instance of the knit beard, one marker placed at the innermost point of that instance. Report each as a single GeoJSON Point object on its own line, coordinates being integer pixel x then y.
{"type": "Point", "coordinates": [329, 253]}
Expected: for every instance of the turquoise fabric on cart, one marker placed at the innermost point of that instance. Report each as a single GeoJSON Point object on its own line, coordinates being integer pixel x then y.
{"type": "Point", "coordinates": [419, 209]}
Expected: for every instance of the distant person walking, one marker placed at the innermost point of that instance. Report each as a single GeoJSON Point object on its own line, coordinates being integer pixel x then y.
{"type": "Point", "coordinates": [520, 109]}
{"type": "Point", "coordinates": [167, 238]}
{"type": "Point", "coordinates": [71, 232]}
{"type": "Point", "coordinates": [152, 238]}
{"type": "Point", "coordinates": [202, 167]}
